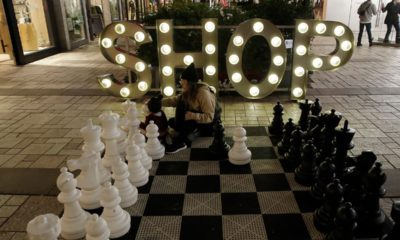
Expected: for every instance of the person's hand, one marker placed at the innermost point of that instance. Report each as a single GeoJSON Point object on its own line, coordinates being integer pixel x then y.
{"type": "Point", "coordinates": [189, 115]}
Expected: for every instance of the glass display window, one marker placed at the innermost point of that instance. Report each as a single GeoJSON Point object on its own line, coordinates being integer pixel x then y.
{"type": "Point", "coordinates": [75, 20]}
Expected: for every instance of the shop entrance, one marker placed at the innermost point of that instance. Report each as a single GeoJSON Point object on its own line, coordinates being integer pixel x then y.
{"type": "Point", "coordinates": [5, 41]}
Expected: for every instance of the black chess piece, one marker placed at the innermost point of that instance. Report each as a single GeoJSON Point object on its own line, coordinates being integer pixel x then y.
{"type": "Point", "coordinates": [345, 223]}
{"type": "Point", "coordinates": [284, 144]}
{"type": "Point", "coordinates": [331, 120]}
{"type": "Point", "coordinates": [325, 175]}
{"type": "Point", "coordinates": [343, 143]}
{"type": "Point", "coordinates": [395, 214]}
{"type": "Point", "coordinates": [293, 156]}
{"type": "Point", "coordinates": [316, 108]}
{"type": "Point", "coordinates": [324, 216]}
{"type": "Point", "coordinates": [276, 126]}
{"type": "Point", "coordinates": [305, 106]}
{"type": "Point", "coordinates": [306, 172]}
{"type": "Point", "coordinates": [219, 147]}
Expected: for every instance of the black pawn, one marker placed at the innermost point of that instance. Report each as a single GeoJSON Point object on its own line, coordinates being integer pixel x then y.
{"type": "Point", "coordinates": [343, 143]}
{"type": "Point", "coordinates": [293, 156]}
{"type": "Point", "coordinates": [306, 172]}
{"type": "Point", "coordinates": [325, 175]}
{"type": "Point", "coordinates": [305, 106]}
{"type": "Point", "coordinates": [316, 108]}
{"type": "Point", "coordinates": [395, 214]}
{"type": "Point", "coordinates": [219, 147]}
{"type": "Point", "coordinates": [345, 223]}
{"type": "Point", "coordinates": [276, 127]}
{"type": "Point", "coordinates": [324, 216]}
{"type": "Point", "coordinates": [284, 144]}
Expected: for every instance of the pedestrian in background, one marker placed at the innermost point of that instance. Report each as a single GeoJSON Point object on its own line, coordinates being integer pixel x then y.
{"type": "Point", "coordinates": [366, 10]}
{"type": "Point", "coordinates": [392, 19]}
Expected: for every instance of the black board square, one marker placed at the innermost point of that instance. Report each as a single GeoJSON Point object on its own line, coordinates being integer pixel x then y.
{"type": "Point", "coordinates": [286, 165]}
{"type": "Point", "coordinates": [262, 153]}
{"type": "Point", "coordinates": [275, 140]}
{"type": "Point", "coordinates": [305, 201]}
{"type": "Point", "coordinates": [146, 188]}
{"type": "Point", "coordinates": [240, 203]}
{"type": "Point", "coordinates": [164, 204]}
{"type": "Point", "coordinates": [201, 227]}
{"type": "Point", "coordinates": [225, 167]}
{"type": "Point", "coordinates": [271, 182]}
{"type": "Point", "coordinates": [285, 227]}
{"type": "Point", "coordinates": [135, 222]}
{"type": "Point", "coordinates": [202, 184]}
{"type": "Point", "coordinates": [203, 154]}
{"type": "Point", "coordinates": [172, 168]}
{"type": "Point", "coordinates": [255, 131]}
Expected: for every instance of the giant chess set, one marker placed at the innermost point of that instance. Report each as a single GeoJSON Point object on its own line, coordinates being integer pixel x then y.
{"type": "Point", "coordinates": [286, 181]}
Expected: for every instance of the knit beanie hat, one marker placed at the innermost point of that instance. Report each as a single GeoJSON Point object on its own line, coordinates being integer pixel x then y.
{"type": "Point", "coordinates": [154, 104]}
{"type": "Point", "coordinates": [190, 74]}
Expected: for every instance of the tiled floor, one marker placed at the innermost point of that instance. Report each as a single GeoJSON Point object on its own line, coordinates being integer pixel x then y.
{"type": "Point", "coordinates": [43, 105]}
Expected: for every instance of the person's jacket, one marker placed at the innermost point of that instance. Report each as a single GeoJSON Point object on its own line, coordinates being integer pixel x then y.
{"type": "Point", "coordinates": [370, 9]}
{"type": "Point", "coordinates": [392, 13]}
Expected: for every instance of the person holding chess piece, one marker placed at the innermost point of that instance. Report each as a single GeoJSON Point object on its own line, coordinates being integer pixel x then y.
{"type": "Point", "coordinates": [196, 110]}
{"type": "Point", "coordinates": [156, 114]}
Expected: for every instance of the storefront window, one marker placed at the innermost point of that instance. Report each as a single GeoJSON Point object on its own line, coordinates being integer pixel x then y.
{"type": "Point", "coordinates": [75, 20]}
{"type": "Point", "coordinates": [33, 26]}
{"type": "Point", "coordinates": [114, 9]}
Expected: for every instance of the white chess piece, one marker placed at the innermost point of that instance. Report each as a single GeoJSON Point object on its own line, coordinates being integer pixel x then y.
{"type": "Point", "coordinates": [239, 153]}
{"type": "Point", "coordinates": [118, 220]}
{"type": "Point", "coordinates": [96, 228]}
{"type": "Point", "coordinates": [138, 175]}
{"type": "Point", "coordinates": [91, 135]}
{"type": "Point", "coordinates": [74, 218]}
{"type": "Point", "coordinates": [153, 146]}
{"type": "Point", "coordinates": [124, 122]}
{"type": "Point", "coordinates": [88, 179]}
{"type": "Point", "coordinates": [127, 192]}
{"type": "Point", "coordinates": [44, 227]}
{"type": "Point", "coordinates": [133, 122]}
{"type": "Point", "coordinates": [140, 141]}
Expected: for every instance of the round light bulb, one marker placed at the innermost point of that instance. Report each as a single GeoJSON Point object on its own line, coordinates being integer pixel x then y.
{"type": "Point", "coordinates": [254, 91]}
{"type": "Point", "coordinates": [209, 26]}
{"type": "Point", "coordinates": [164, 27]}
{"type": "Point", "coordinates": [168, 91]}
{"type": "Point", "coordinates": [167, 71]}
{"type": "Point", "coordinates": [258, 27]}
{"type": "Point", "coordinates": [234, 59]}
{"type": "Point", "coordinates": [302, 27]}
{"type": "Point", "coordinates": [238, 41]}
{"type": "Point", "coordinates": [339, 31]}
{"type": "Point", "coordinates": [276, 41]}
{"type": "Point", "coordinates": [119, 28]}
{"type": "Point", "coordinates": [320, 28]}
{"type": "Point", "coordinates": [139, 36]}
{"type": "Point", "coordinates": [124, 92]}
{"type": "Point", "coordinates": [273, 78]}
{"type": "Point", "coordinates": [335, 61]}
{"type": "Point", "coordinates": [317, 62]}
{"type": "Point", "coordinates": [346, 45]}
{"type": "Point", "coordinates": [188, 59]}
{"type": "Point", "coordinates": [297, 92]}
{"type": "Point", "coordinates": [143, 86]}
{"type": "Point", "coordinates": [106, 83]}
{"type": "Point", "coordinates": [210, 48]}
{"type": "Point", "coordinates": [278, 60]}
{"type": "Point", "coordinates": [236, 77]}
{"type": "Point", "coordinates": [106, 42]}
{"type": "Point", "coordinates": [210, 70]}
{"type": "Point", "coordinates": [140, 66]}
{"type": "Point", "coordinates": [299, 71]}
{"type": "Point", "coordinates": [165, 49]}
{"type": "Point", "coordinates": [120, 58]}
{"type": "Point", "coordinates": [301, 50]}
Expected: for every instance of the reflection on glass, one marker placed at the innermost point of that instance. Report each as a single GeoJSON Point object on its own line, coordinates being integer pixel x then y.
{"type": "Point", "coordinates": [32, 25]}
{"type": "Point", "coordinates": [75, 20]}
{"type": "Point", "coordinates": [114, 9]}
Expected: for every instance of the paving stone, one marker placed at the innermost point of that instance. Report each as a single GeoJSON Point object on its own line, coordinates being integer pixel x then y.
{"type": "Point", "coordinates": [7, 211]}
{"type": "Point", "coordinates": [16, 200]}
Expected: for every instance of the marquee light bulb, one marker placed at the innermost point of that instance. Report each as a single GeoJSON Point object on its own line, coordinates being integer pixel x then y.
{"type": "Point", "coordinates": [209, 26]}
{"type": "Point", "coordinates": [119, 28]}
{"type": "Point", "coordinates": [346, 45]}
{"type": "Point", "coordinates": [278, 60]}
{"type": "Point", "coordinates": [167, 71]}
{"type": "Point", "coordinates": [165, 49]}
{"type": "Point", "coordinates": [234, 59]}
{"type": "Point", "coordinates": [140, 66]}
{"type": "Point", "coordinates": [124, 92]}
{"type": "Point", "coordinates": [236, 77]}
{"type": "Point", "coordinates": [301, 50]}
{"type": "Point", "coordinates": [120, 58]}
{"type": "Point", "coordinates": [297, 92]}
{"type": "Point", "coordinates": [188, 59]}
{"type": "Point", "coordinates": [106, 83]}
{"type": "Point", "coordinates": [335, 61]}
{"type": "Point", "coordinates": [168, 91]}
{"type": "Point", "coordinates": [210, 48]}
{"type": "Point", "coordinates": [139, 36]}
{"type": "Point", "coordinates": [106, 42]}
{"type": "Point", "coordinates": [276, 41]}
{"type": "Point", "coordinates": [238, 41]}
{"type": "Point", "coordinates": [143, 86]}
{"type": "Point", "coordinates": [339, 31]}
{"type": "Point", "coordinates": [273, 78]}
{"type": "Point", "coordinates": [210, 70]}
{"type": "Point", "coordinates": [320, 28]}
{"type": "Point", "coordinates": [258, 27]}
{"type": "Point", "coordinates": [302, 27]}
{"type": "Point", "coordinates": [299, 71]}
{"type": "Point", "coordinates": [254, 91]}
{"type": "Point", "coordinates": [317, 62]}
{"type": "Point", "coordinates": [164, 27]}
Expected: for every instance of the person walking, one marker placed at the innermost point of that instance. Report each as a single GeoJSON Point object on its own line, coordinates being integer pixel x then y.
{"type": "Point", "coordinates": [392, 19]}
{"type": "Point", "coordinates": [366, 10]}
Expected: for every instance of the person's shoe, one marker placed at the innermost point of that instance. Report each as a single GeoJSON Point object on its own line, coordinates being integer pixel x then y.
{"type": "Point", "coordinates": [370, 44]}
{"type": "Point", "coordinates": [385, 41]}
{"type": "Point", "coordinates": [174, 148]}
{"type": "Point", "coordinates": [359, 45]}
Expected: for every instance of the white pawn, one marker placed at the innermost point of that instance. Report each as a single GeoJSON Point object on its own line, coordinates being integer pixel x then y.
{"type": "Point", "coordinates": [138, 175]}
{"type": "Point", "coordinates": [124, 123]}
{"type": "Point", "coordinates": [153, 146]}
{"type": "Point", "coordinates": [140, 141]}
{"type": "Point", "coordinates": [118, 220]}
{"type": "Point", "coordinates": [239, 153]}
{"type": "Point", "coordinates": [91, 135]}
{"type": "Point", "coordinates": [127, 192]}
{"type": "Point", "coordinates": [132, 120]}
{"type": "Point", "coordinates": [74, 218]}
{"type": "Point", "coordinates": [88, 179]}
{"type": "Point", "coordinates": [96, 228]}
{"type": "Point", "coordinates": [44, 227]}
{"type": "Point", "coordinates": [110, 134]}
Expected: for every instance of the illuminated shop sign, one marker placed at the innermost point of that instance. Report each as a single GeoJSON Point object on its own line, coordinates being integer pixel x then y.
{"type": "Point", "coordinates": [303, 60]}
